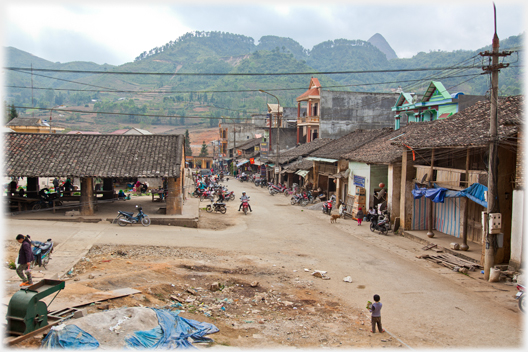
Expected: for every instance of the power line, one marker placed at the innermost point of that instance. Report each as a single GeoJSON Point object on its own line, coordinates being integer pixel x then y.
{"type": "Point", "coordinates": [122, 113]}
{"type": "Point", "coordinates": [239, 74]}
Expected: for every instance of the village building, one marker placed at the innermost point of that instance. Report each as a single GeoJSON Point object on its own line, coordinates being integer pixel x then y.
{"type": "Point", "coordinates": [436, 103]}
{"type": "Point", "coordinates": [333, 114]}
{"type": "Point", "coordinates": [450, 160]}
{"type": "Point", "coordinates": [32, 125]}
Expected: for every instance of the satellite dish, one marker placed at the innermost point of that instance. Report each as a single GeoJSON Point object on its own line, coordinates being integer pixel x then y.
{"type": "Point", "coordinates": [424, 178]}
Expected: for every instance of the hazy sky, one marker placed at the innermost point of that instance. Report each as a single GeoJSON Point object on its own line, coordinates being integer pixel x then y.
{"type": "Point", "coordinates": [115, 32]}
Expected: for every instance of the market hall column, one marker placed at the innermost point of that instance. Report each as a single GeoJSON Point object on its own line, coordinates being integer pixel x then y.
{"type": "Point", "coordinates": [87, 196]}
{"type": "Point", "coordinates": [174, 196]}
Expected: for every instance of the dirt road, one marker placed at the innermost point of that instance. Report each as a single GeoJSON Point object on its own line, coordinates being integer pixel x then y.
{"type": "Point", "coordinates": [424, 305]}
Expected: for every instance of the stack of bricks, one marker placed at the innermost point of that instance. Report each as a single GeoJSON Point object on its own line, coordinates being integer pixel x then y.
{"type": "Point", "coordinates": [360, 200]}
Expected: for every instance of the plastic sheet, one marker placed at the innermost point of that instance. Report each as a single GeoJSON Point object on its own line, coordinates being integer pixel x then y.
{"type": "Point", "coordinates": [70, 337]}
{"type": "Point", "coordinates": [173, 332]}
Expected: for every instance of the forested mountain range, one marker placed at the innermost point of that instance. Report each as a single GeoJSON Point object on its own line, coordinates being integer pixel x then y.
{"type": "Point", "coordinates": [231, 96]}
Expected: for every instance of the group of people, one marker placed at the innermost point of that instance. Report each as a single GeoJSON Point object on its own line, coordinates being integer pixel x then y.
{"type": "Point", "coordinates": [360, 215]}
{"type": "Point", "coordinates": [204, 182]}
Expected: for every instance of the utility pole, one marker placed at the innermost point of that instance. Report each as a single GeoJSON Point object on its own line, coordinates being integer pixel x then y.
{"type": "Point", "coordinates": [493, 165]}
{"type": "Point", "coordinates": [277, 167]}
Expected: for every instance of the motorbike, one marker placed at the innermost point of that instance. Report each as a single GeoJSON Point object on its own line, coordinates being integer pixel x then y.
{"type": "Point", "coordinates": [243, 178]}
{"type": "Point", "coordinates": [273, 189]}
{"type": "Point", "coordinates": [46, 200]}
{"type": "Point", "coordinates": [124, 218]}
{"type": "Point", "coordinates": [216, 206]}
{"type": "Point", "coordinates": [41, 252]}
{"type": "Point", "coordinates": [197, 192]}
{"type": "Point", "coordinates": [327, 207]}
{"type": "Point", "coordinates": [229, 195]}
{"type": "Point", "coordinates": [381, 224]}
{"type": "Point", "coordinates": [520, 296]}
{"type": "Point", "coordinates": [206, 195]}
{"type": "Point", "coordinates": [245, 206]}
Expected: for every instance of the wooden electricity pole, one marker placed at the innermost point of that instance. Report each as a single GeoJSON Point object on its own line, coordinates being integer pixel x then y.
{"type": "Point", "coordinates": [493, 165]}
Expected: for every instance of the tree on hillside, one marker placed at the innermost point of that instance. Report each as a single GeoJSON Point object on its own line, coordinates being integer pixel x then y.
{"type": "Point", "coordinates": [10, 112]}
{"type": "Point", "coordinates": [204, 151]}
{"type": "Point", "coordinates": [188, 151]}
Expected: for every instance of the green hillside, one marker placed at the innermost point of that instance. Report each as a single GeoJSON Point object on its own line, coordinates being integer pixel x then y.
{"type": "Point", "coordinates": [191, 100]}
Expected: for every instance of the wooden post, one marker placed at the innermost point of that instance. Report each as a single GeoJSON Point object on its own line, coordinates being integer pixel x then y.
{"type": "Point", "coordinates": [32, 187]}
{"type": "Point", "coordinates": [403, 198]}
{"type": "Point", "coordinates": [464, 246]}
{"type": "Point", "coordinates": [87, 196]}
{"type": "Point", "coordinates": [430, 203]}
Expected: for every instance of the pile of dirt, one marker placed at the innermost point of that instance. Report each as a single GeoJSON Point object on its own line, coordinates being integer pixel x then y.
{"type": "Point", "coordinates": [252, 304]}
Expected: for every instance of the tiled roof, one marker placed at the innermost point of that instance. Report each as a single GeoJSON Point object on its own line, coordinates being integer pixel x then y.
{"type": "Point", "coordinates": [299, 165]}
{"type": "Point", "coordinates": [348, 143]}
{"type": "Point", "coordinates": [469, 127]}
{"type": "Point", "coordinates": [381, 150]}
{"type": "Point", "coordinates": [26, 121]}
{"type": "Point", "coordinates": [83, 155]}
{"type": "Point", "coordinates": [250, 143]}
{"type": "Point", "coordinates": [303, 149]}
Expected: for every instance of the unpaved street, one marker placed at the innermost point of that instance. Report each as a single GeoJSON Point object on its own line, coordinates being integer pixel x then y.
{"type": "Point", "coordinates": [424, 305]}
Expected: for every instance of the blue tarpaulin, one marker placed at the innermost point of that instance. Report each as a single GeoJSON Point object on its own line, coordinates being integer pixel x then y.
{"type": "Point", "coordinates": [173, 332]}
{"type": "Point", "coordinates": [70, 337]}
{"type": "Point", "coordinates": [475, 192]}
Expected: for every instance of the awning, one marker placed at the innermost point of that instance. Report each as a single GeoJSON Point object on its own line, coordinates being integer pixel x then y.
{"type": "Point", "coordinates": [325, 160]}
{"type": "Point", "coordinates": [302, 173]}
{"type": "Point", "coordinates": [443, 116]}
{"type": "Point", "coordinates": [242, 162]}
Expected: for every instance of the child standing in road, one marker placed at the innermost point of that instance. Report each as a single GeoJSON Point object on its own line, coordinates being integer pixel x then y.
{"type": "Point", "coordinates": [359, 216]}
{"type": "Point", "coordinates": [375, 309]}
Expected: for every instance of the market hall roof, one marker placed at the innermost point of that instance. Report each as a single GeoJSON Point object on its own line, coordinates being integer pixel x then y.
{"type": "Point", "coordinates": [467, 128]}
{"type": "Point", "coordinates": [82, 155]}
{"type": "Point", "coordinates": [303, 149]}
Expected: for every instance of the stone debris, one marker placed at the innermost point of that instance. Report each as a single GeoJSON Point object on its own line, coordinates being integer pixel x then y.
{"type": "Point", "coordinates": [347, 279]}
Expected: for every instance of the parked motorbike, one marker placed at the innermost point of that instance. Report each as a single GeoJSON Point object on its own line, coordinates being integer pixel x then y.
{"type": "Point", "coordinates": [206, 195]}
{"type": "Point", "coordinates": [327, 207]}
{"type": "Point", "coordinates": [46, 200]}
{"type": "Point", "coordinates": [229, 195]}
{"type": "Point", "coordinates": [41, 252]}
{"type": "Point", "coordinates": [274, 189]}
{"type": "Point", "coordinates": [216, 206]}
{"type": "Point", "coordinates": [124, 218]}
{"type": "Point", "coordinates": [380, 223]}
{"type": "Point", "coordinates": [520, 297]}
{"type": "Point", "coordinates": [245, 206]}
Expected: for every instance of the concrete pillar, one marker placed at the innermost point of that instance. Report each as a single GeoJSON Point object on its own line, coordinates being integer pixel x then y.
{"type": "Point", "coordinates": [87, 196]}
{"type": "Point", "coordinates": [298, 109]}
{"type": "Point", "coordinates": [174, 200]}
{"type": "Point", "coordinates": [308, 134]}
{"type": "Point", "coordinates": [394, 190]}
{"type": "Point", "coordinates": [405, 192]}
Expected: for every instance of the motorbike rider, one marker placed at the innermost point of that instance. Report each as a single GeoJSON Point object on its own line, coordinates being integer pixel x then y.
{"type": "Point", "coordinates": [221, 197]}
{"type": "Point", "coordinates": [242, 199]}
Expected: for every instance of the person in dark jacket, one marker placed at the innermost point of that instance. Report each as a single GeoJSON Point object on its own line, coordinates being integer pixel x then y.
{"type": "Point", "coordinates": [25, 257]}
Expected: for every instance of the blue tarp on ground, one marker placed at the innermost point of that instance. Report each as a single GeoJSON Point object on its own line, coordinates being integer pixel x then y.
{"type": "Point", "coordinates": [475, 192]}
{"type": "Point", "coordinates": [173, 332]}
{"type": "Point", "coordinates": [70, 337]}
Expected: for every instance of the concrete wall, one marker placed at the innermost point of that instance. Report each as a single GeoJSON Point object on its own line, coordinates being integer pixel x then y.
{"type": "Point", "coordinates": [394, 190]}
{"type": "Point", "coordinates": [343, 112]}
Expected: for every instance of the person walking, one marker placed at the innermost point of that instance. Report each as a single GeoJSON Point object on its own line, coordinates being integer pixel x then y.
{"type": "Point", "coordinates": [25, 257]}
{"type": "Point", "coordinates": [375, 309]}
{"type": "Point", "coordinates": [359, 216]}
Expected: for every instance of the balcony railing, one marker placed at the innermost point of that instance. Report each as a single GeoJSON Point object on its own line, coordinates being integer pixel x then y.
{"type": "Point", "coordinates": [308, 119]}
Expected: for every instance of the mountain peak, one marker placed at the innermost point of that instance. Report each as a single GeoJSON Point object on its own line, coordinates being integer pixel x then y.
{"type": "Point", "coordinates": [379, 42]}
